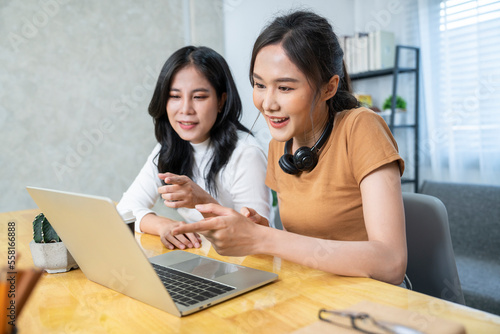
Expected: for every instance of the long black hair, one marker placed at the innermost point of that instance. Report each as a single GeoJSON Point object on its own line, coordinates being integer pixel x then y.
{"type": "Point", "coordinates": [310, 43]}
{"type": "Point", "coordinates": [176, 155]}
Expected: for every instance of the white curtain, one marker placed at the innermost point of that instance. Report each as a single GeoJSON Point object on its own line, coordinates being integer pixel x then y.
{"type": "Point", "coordinates": [460, 48]}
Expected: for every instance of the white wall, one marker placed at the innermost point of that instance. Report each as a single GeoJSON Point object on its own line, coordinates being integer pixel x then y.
{"type": "Point", "coordinates": [71, 69]}
{"type": "Point", "coordinates": [243, 21]}
{"type": "Point", "coordinates": [399, 17]}
{"type": "Point", "coordinates": [75, 84]}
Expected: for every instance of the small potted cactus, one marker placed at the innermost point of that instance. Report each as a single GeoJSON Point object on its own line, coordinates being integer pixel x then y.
{"type": "Point", "coordinates": [47, 249]}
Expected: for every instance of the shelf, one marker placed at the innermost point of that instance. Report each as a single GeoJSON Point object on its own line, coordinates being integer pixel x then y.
{"type": "Point", "coordinates": [390, 117]}
{"type": "Point", "coordinates": [404, 126]}
{"type": "Point", "coordinates": [379, 73]}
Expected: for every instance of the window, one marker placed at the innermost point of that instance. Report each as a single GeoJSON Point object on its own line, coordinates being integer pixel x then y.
{"type": "Point", "coordinates": [460, 13]}
{"type": "Point", "coordinates": [461, 78]}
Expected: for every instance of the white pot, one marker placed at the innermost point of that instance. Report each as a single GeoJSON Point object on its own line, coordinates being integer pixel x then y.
{"type": "Point", "coordinates": [52, 257]}
{"type": "Point", "coordinates": [400, 116]}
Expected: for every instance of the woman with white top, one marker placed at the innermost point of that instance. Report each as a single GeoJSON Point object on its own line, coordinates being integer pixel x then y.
{"type": "Point", "coordinates": [204, 154]}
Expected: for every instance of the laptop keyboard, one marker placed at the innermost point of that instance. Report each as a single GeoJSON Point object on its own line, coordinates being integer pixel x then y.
{"type": "Point", "coordinates": [187, 289]}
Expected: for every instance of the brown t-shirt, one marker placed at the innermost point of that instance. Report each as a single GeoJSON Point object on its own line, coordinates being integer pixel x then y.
{"type": "Point", "coordinates": [326, 202]}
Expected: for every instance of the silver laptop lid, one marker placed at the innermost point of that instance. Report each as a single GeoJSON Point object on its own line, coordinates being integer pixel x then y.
{"type": "Point", "coordinates": [102, 245]}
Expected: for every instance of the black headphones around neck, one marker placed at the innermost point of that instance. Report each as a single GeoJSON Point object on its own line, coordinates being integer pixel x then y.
{"type": "Point", "coordinates": [305, 158]}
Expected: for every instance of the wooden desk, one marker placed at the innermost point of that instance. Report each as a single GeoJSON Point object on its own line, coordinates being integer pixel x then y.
{"type": "Point", "coordinates": [69, 303]}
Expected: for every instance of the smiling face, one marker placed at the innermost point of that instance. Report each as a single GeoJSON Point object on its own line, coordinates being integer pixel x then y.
{"type": "Point", "coordinates": [284, 96]}
{"type": "Point", "coordinates": [192, 105]}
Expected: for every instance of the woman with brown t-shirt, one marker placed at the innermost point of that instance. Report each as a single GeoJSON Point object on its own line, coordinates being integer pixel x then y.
{"type": "Point", "coordinates": [335, 166]}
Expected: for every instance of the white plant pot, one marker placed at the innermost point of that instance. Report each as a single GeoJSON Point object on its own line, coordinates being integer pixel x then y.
{"type": "Point", "coordinates": [400, 116]}
{"type": "Point", "coordinates": [52, 257]}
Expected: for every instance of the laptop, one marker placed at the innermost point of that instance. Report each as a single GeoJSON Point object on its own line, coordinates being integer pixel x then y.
{"type": "Point", "coordinates": [177, 282]}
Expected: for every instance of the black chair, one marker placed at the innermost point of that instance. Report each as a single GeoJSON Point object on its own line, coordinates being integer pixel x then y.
{"type": "Point", "coordinates": [431, 261]}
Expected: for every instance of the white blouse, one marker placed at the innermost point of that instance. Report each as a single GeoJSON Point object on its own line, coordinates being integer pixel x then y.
{"type": "Point", "coordinates": [240, 183]}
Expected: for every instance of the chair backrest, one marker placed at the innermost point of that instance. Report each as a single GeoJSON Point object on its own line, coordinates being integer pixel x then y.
{"type": "Point", "coordinates": [431, 261]}
{"type": "Point", "coordinates": [473, 215]}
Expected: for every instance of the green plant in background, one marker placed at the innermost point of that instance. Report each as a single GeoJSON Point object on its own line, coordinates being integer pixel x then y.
{"type": "Point", "coordinates": [43, 232]}
{"type": "Point", "coordinates": [400, 103]}
{"type": "Point", "coordinates": [275, 198]}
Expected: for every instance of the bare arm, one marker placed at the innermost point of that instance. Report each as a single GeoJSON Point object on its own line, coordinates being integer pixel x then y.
{"type": "Point", "coordinates": [382, 257]}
